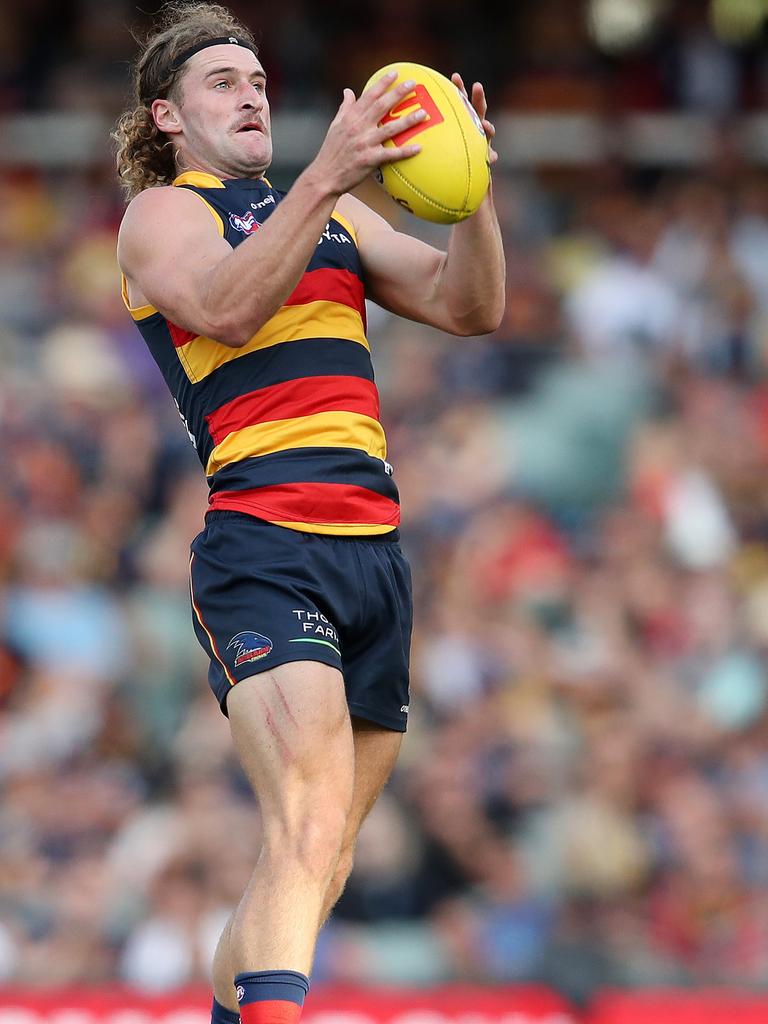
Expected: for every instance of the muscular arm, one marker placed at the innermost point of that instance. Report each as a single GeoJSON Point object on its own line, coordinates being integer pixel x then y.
{"type": "Point", "coordinates": [171, 250]}
{"type": "Point", "coordinates": [460, 291]}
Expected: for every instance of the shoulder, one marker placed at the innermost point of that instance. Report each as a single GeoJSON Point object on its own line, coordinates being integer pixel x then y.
{"type": "Point", "coordinates": [161, 213]}
{"type": "Point", "coordinates": [159, 201]}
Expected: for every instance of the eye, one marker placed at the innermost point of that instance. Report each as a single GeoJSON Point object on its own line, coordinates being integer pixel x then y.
{"type": "Point", "coordinates": [222, 82]}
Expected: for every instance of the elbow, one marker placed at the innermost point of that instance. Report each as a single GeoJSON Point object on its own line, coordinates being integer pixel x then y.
{"type": "Point", "coordinates": [483, 321]}
{"type": "Point", "coordinates": [231, 332]}
{"type": "Point", "coordinates": [495, 313]}
{"type": "Point", "coordinates": [232, 325]}
{"type": "Point", "coordinates": [466, 329]}
{"type": "Point", "coordinates": [237, 330]}
{"type": "Point", "coordinates": [484, 317]}
{"type": "Point", "coordinates": [490, 323]}
{"type": "Point", "coordinates": [238, 340]}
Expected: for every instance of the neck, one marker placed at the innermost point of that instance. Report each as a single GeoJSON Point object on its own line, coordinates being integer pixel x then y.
{"type": "Point", "coordinates": [186, 163]}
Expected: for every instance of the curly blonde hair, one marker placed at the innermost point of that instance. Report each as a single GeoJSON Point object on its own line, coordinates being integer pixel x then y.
{"type": "Point", "coordinates": [145, 155]}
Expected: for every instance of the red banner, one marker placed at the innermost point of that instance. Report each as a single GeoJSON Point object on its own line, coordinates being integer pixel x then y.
{"type": "Point", "coordinates": [673, 1007]}
{"type": "Point", "coordinates": [325, 1005]}
{"type": "Point", "coordinates": [445, 1005]}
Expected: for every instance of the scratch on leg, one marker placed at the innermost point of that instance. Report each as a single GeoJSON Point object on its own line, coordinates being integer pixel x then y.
{"type": "Point", "coordinates": [272, 727]}
{"type": "Point", "coordinates": [285, 704]}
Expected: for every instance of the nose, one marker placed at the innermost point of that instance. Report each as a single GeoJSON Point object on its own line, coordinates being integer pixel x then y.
{"type": "Point", "coordinates": [251, 98]}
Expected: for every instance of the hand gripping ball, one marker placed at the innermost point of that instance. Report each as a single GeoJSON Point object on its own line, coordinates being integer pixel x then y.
{"type": "Point", "coordinates": [448, 179]}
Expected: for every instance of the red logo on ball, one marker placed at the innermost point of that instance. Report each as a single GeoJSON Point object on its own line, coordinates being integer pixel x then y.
{"type": "Point", "coordinates": [419, 99]}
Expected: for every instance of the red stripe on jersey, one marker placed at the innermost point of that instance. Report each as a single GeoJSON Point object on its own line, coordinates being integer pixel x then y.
{"type": "Point", "coordinates": [312, 503]}
{"type": "Point", "coordinates": [270, 1011]}
{"type": "Point", "coordinates": [303, 397]}
{"type": "Point", "coordinates": [326, 284]}
{"type": "Point", "coordinates": [331, 285]}
{"type": "Point", "coordinates": [179, 336]}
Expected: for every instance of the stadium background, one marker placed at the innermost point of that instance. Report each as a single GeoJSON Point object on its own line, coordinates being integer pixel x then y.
{"type": "Point", "coordinates": [582, 802]}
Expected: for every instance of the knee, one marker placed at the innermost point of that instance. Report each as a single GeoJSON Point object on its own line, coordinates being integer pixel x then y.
{"type": "Point", "coordinates": [340, 876]}
{"type": "Point", "coordinates": [310, 842]}
{"type": "Point", "coordinates": [343, 867]}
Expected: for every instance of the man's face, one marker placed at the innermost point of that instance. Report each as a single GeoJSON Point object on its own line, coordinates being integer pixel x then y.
{"type": "Point", "coordinates": [221, 121]}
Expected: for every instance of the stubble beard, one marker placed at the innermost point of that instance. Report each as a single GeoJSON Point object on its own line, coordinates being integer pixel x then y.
{"type": "Point", "coordinates": [228, 159]}
{"type": "Point", "coordinates": [243, 164]}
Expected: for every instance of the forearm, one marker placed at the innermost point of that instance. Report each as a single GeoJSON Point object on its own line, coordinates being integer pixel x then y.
{"type": "Point", "coordinates": [471, 280]}
{"type": "Point", "coordinates": [248, 287]}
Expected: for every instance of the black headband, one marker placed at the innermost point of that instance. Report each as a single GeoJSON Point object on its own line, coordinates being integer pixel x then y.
{"type": "Point", "coordinates": [186, 54]}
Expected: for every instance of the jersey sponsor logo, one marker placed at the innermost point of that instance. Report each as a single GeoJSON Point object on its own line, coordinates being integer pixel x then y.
{"type": "Point", "coordinates": [240, 993]}
{"type": "Point", "coordinates": [249, 646]}
{"type": "Point", "coordinates": [264, 202]}
{"type": "Point", "coordinates": [334, 236]}
{"type": "Point", "coordinates": [244, 222]}
{"type": "Point", "coordinates": [419, 99]}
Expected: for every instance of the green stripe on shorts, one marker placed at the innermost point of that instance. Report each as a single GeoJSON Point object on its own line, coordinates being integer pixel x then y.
{"type": "Point", "coordinates": [314, 640]}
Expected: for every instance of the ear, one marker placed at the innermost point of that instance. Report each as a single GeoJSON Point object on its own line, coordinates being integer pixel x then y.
{"type": "Point", "coordinates": [166, 116]}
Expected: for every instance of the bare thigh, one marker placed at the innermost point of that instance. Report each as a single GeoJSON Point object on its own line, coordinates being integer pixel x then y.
{"type": "Point", "coordinates": [292, 733]}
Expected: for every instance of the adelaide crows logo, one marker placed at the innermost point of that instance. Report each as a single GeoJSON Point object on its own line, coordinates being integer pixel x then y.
{"type": "Point", "coordinates": [245, 222]}
{"type": "Point", "coordinates": [249, 646]}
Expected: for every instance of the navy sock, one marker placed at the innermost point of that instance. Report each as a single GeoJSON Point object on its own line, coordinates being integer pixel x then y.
{"type": "Point", "coordinates": [221, 1015]}
{"type": "Point", "coordinates": [271, 996]}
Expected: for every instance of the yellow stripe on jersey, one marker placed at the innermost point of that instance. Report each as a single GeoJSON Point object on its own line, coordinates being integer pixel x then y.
{"type": "Point", "coordinates": [346, 224]}
{"type": "Point", "coordinates": [200, 179]}
{"type": "Point", "coordinates": [321, 430]}
{"type": "Point", "coordinates": [214, 213]}
{"type": "Point", "coordinates": [340, 529]}
{"type": "Point", "coordinates": [137, 312]}
{"type": "Point", "coordinates": [321, 319]}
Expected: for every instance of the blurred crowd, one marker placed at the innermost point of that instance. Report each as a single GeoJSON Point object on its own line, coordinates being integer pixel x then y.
{"type": "Point", "coordinates": [582, 798]}
{"type": "Point", "coordinates": [583, 794]}
{"type": "Point", "coordinates": [561, 55]}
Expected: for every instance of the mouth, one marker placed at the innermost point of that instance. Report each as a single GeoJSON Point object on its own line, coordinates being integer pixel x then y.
{"type": "Point", "coordinates": [250, 126]}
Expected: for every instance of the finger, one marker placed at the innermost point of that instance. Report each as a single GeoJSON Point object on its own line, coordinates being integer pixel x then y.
{"type": "Point", "coordinates": [493, 156]}
{"type": "Point", "coordinates": [400, 124]}
{"type": "Point", "coordinates": [479, 101]}
{"type": "Point", "coordinates": [391, 154]}
{"type": "Point", "coordinates": [385, 103]}
{"type": "Point", "coordinates": [458, 81]}
{"type": "Point", "coordinates": [380, 86]}
{"type": "Point", "coordinates": [490, 129]}
{"type": "Point", "coordinates": [348, 98]}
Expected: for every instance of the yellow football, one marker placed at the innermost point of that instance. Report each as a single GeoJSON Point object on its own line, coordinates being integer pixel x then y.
{"type": "Point", "coordinates": [448, 179]}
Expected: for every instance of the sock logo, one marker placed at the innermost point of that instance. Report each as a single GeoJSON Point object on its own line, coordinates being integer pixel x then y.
{"type": "Point", "coordinates": [239, 992]}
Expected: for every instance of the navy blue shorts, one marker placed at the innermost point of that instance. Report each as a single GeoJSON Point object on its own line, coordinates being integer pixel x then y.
{"type": "Point", "coordinates": [264, 595]}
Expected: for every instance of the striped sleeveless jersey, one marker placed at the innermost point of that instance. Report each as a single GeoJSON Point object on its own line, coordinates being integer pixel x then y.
{"type": "Point", "coordinates": [287, 427]}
